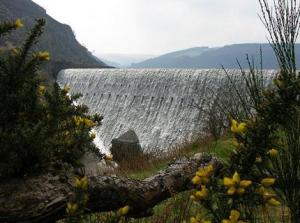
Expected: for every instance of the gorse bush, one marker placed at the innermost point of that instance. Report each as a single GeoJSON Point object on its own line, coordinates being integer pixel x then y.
{"type": "Point", "coordinates": [264, 168]}
{"type": "Point", "coordinates": [40, 128]}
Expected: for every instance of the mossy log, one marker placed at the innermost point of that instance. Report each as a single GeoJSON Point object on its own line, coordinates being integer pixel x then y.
{"type": "Point", "coordinates": [43, 198]}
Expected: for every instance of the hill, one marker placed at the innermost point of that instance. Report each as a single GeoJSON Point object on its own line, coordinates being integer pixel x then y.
{"type": "Point", "coordinates": [208, 58]}
{"type": "Point", "coordinates": [58, 38]}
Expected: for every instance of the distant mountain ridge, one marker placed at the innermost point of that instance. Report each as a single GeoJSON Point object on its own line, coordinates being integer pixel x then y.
{"type": "Point", "coordinates": [211, 58]}
{"type": "Point", "coordinates": [123, 60]}
{"type": "Point", "coordinates": [58, 38]}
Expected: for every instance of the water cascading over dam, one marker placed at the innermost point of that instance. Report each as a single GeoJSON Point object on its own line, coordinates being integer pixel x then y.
{"type": "Point", "coordinates": [158, 104]}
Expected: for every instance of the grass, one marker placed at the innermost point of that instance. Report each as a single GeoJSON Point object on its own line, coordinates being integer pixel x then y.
{"type": "Point", "coordinates": [143, 167]}
{"type": "Point", "coordinates": [222, 148]}
{"type": "Point", "coordinates": [140, 175]}
{"type": "Point", "coordinates": [178, 208]}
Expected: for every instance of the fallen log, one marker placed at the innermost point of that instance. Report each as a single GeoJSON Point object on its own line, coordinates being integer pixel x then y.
{"type": "Point", "coordinates": [43, 198]}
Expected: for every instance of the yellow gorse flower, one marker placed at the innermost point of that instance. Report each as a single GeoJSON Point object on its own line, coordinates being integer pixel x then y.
{"type": "Point", "coordinates": [123, 211]}
{"type": "Point", "coordinates": [202, 175]}
{"type": "Point", "coordinates": [258, 159]}
{"type": "Point", "coordinates": [233, 218]}
{"type": "Point", "coordinates": [194, 220]}
{"type": "Point", "coordinates": [196, 180]}
{"type": "Point", "coordinates": [268, 197]}
{"type": "Point", "coordinates": [71, 208]}
{"type": "Point", "coordinates": [201, 194]}
{"type": "Point", "coordinates": [236, 185]}
{"type": "Point", "coordinates": [108, 157]}
{"type": "Point", "coordinates": [267, 182]}
{"type": "Point", "coordinates": [274, 202]}
{"type": "Point", "coordinates": [278, 83]}
{"type": "Point", "coordinates": [206, 171]}
{"type": "Point", "coordinates": [273, 152]}
{"type": "Point", "coordinates": [93, 135]}
{"type": "Point", "coordinates": [85, 121]}
{"type": "Point", "coordinates": [205, 221]}
{"type": "Point", "coordinates": [18, 24]}
{"type": "Point", "coordinates": [238, 127]}
{"type": "Point", "coordinates": [198, 220]}
{"type": "Point", "coordinates": [81, 183]}
{"type": "Point", "coordinates": [41, 89]}
{"type": "Point", "coordinates": [44, 55]}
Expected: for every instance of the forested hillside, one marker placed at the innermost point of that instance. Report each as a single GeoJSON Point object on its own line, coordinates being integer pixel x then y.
{"type": "Point", "coordinates": [210, 58]}
{"type": "Point", "coordinates": [58, 38]}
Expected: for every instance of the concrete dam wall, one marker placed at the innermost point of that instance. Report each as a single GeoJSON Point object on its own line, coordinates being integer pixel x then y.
{"type": "Point", "coordinates": [158, 104]}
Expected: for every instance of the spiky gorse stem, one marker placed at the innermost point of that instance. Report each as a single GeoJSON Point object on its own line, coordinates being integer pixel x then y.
{"type": "Point", "coordinates": [264, 168]}
{"type": "Point", "coordinates": [282, 24]}
{"type": "Point", "coordinates": [77, 205]}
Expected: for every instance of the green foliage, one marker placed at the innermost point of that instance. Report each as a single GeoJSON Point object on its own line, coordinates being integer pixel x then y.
{"type": "Point", "coordinates": [40, 129]}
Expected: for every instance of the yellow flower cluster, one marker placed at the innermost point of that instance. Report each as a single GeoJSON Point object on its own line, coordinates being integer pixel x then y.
{"type": "Point", "coordinates": [85, 121]}
{"type": "Point", "coordinates": [267, 196]}
{"type": "Point", "coordinates": [18, 24]}
{"type": "Point", "coordinates": [71, 208]}
{"type": "Point", "coordinates": [41, 89]}
{"type": "Point", "coordinates": [81, 183]}
{"type": "Point", "coordinates": [44, 55]}
{"type": "Point", "coordinates": [273, 152]}
{"type": "Point", "coordinates": [238, 127]}
{"type": "Point", "coordinates": [93, 135]}
{"type": "Point", "coordinates": [258, 159]}
{"type": "Point", "coordinates": [279, 83]}
{"type": "Point", "coordinates": [123, 211]}
{"type": "Point", "coordinates": [108, 157]}
{"type": "Point", "coordinates": [201, 194]}
{"type": "Point", "coordinates": [202, 175]}
{"type": "Point", "coordinates": [202, 179]}
{"type": "Point", "coordinates": [267, 182]}
{"type": "Point", "coordinates": [236, 185]}
{"type": "Point", "coordinates": [80, 199]}
{"type": "Point", "coordinates": [66, 133]}
{"type": "Point", "coordinates": [199, 220]}
{"type": "Point", "coordinates": [234, 217]}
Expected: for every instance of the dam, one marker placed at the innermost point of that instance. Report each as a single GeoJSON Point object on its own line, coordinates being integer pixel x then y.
{"type": "Point", "coordinates": [160, 105]}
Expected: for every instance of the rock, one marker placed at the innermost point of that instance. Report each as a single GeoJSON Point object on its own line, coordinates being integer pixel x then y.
{"type": "Point", "coordinates": [126, 146]}
{"type": "Point", "coordinates": [95, 167]}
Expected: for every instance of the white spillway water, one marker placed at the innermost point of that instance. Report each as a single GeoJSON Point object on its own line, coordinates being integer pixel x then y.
{"type": "Point", "coordinates": [158, 104]}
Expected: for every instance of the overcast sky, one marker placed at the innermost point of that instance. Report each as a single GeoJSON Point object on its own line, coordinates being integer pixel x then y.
{"type": "Point", "coordinates": [158, 26]}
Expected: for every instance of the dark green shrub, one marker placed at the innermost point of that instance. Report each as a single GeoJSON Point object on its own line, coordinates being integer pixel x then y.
{"type": "Point", "coordinates": [40, 128]}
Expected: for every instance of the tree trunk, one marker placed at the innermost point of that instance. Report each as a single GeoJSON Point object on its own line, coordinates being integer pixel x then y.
{"type": "Point", "coordinates": [43, 198]}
